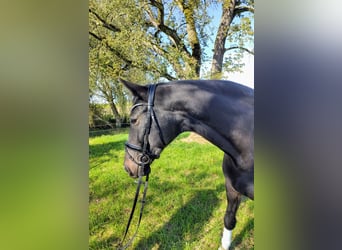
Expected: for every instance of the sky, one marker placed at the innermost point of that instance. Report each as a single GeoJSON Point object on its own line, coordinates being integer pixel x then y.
{"type": "Point", "coordinates": [247, 77]}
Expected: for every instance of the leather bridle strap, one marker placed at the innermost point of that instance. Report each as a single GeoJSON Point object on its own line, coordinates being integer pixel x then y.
{"type": "Point", "coordinates": [151, 94]}
{"type": "Point", "coordinates": [143, 160]}
{"type": "Point", "coordinates": [143, 201]}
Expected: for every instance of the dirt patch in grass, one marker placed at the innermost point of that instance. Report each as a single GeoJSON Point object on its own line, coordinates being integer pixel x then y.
{"type": "Point", "coordinates": [193, 137]}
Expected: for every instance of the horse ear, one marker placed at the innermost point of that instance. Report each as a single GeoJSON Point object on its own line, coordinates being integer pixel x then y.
{"type": "Point", "coordinates": [137, 90]}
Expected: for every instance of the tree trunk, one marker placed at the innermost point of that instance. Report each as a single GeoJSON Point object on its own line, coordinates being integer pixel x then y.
{"type": "Point", "coordinates": [188, 9]}
{"type": "Point", "coordinates": [228, 7]}
{"type": "Point", "coordinates": [193, 39]}
{"type": "Point", "coordinates": [115, 113]}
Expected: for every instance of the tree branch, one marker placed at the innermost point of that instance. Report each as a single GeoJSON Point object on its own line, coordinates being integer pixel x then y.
{"type": "Point", "coordinates": [240, 9]}
{"type": "Point", "coordinates": [128, 62]}
{"type": "Point", "coordinates": [168, 76]}
{"type": "Point", "coordinates": [101, 119]}
{"type": "Point", "coordinates": [159, 25]}
{"type": "Point", "coordinates": [160, 7]}
{"type": "Point", "coordinates": [95, 36]}
{"type": "Point", "coordinates": [188, 10]}
{"type": "Point", "coordinates": [115, 52]}
{"type": "Point", "coordinates": [104, 22]}
{"type": "Point", "coordinates": [241, 48]}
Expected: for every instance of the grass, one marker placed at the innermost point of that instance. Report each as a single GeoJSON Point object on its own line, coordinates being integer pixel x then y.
{"type": "Point", "coordinates": [185, 205]}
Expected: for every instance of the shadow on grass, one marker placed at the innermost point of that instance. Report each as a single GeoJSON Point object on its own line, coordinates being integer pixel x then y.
{"type": "Point", "coordinates": [185, 225]}
{"type": "Point", "coordinates": [102, 149]}
{"type": "Point", "coordinates": [238, 239]}
{"type": "Point", "coordinates": [113, 131]}
{"type": "Point", "coordinates": [105, 244]}
{"type": "Point", "coordinates": [99, 155]}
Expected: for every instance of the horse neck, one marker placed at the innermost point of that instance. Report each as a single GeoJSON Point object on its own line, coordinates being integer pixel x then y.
{"type": "Point", "coordinates": [202, 112]}
{"type": "Point", "coordinates": [205, 124]}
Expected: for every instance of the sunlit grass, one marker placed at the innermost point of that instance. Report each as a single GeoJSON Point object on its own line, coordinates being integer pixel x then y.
{"type": "Point", "coordinates": [185, 201]}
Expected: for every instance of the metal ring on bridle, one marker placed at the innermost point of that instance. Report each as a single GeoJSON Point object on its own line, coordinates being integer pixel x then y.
{"type": "Point", "coordinates": [144, 159]}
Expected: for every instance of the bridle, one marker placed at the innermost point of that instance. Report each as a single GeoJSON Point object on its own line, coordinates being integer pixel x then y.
{"type": "Point", "coordinates": [143, 160]}
{"type": "Point", "coordinates": [145, 156]}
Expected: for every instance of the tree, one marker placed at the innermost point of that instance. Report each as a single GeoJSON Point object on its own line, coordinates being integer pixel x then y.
{"type": "Point", "coordinates": [231, 9]}
{"type": "Point", "coordinates": [155, 40]}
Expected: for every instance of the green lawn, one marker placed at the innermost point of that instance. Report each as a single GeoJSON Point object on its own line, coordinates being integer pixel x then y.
{"type": "Point", "coordinates": [185, 201]}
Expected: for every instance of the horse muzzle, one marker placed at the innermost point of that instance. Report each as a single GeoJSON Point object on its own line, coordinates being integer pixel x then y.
{"type": "Point", "coordinates": [129, 172]}
{"type": "Point", "coordinates": [135, 170]}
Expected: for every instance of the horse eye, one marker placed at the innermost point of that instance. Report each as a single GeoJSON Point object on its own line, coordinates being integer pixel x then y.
{"type": "Point", "coordinates": [133, 121]}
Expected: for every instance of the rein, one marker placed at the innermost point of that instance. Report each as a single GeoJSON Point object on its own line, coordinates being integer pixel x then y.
{"type": "Point", "coordinates": [143, 201]}
{"type": "Point", "coordinates": [144, 159]}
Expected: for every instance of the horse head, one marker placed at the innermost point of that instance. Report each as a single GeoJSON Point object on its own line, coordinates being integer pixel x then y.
{"type": "Point", "coordinates": [148, 134]}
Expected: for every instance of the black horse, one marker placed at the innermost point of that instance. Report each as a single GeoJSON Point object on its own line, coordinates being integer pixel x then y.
{"type": "Point", "coordinates": [220, 111]}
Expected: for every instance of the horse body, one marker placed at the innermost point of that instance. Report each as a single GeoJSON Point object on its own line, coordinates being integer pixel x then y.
{"type": "Point", "coordinates": [220, 111]}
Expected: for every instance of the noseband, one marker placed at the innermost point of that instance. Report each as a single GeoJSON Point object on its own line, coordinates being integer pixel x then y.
{"type": "Point", "coordinates": [145, 156]}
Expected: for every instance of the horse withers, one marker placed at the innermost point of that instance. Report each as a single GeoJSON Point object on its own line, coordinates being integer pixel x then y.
{"type": "Point", "coordinates": [220, 111]}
